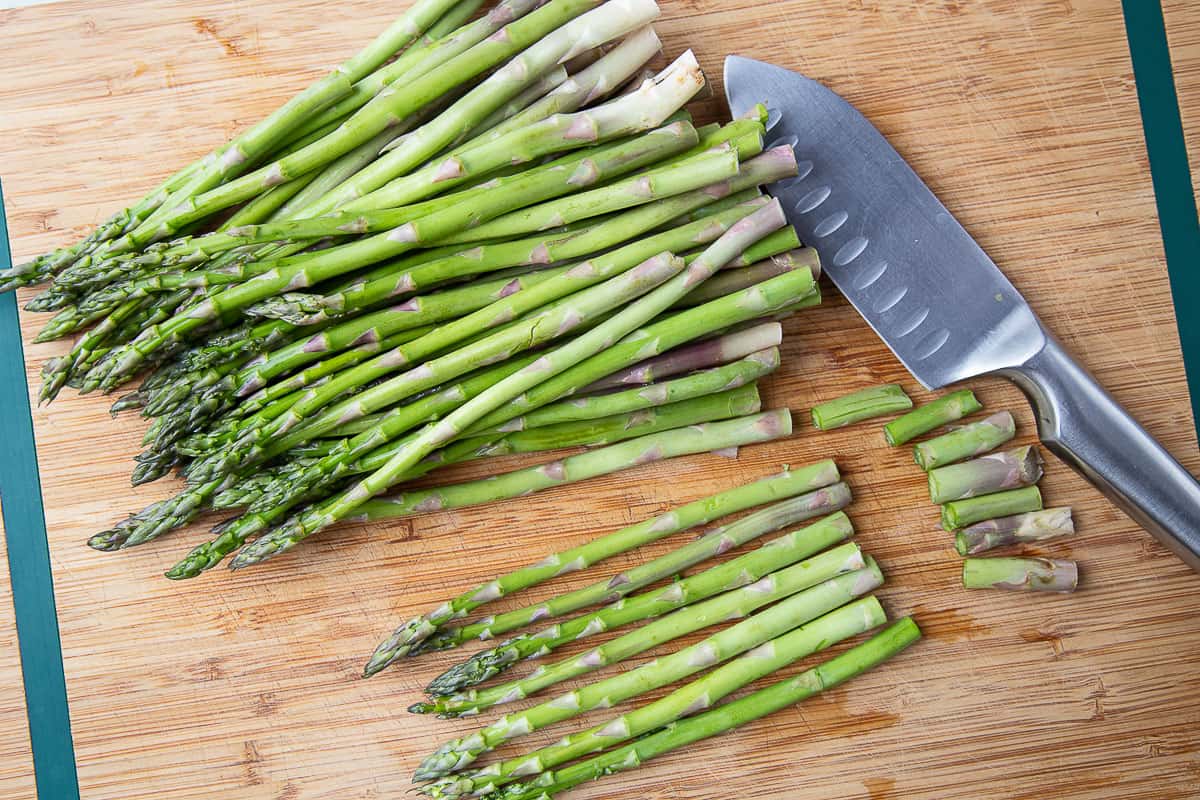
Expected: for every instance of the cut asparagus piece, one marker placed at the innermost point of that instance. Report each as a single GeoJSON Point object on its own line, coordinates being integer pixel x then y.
{"type": "Point", "coordinates": [920, 421]}
{"type": "Point", "coordinates": [740, 571]}
{"type": "Point", "coordinates": [960, 513]}
{"type": "Point", "coordinates": [990, 473]}
{"type": "Point", "coordinates": [1021, 574]}
{"type": "Point", "coordinates": [777, 487]}
{"type": "Point", "coordinates": [850, 620]}
{"type": "Point", "coordinates": [871, 653]}
{"type": "Point", "coordinates": [970, 440]}
{"type": "Point", "coordinates": [1032, 526]}
{"type": "Point", "coordinates": [800, 606]}
{"type": "Point", "coordinates": [865, 404]}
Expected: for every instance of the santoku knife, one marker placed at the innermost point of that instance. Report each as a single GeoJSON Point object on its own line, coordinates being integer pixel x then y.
{"type": "Point", "coordinates": [939, 302]}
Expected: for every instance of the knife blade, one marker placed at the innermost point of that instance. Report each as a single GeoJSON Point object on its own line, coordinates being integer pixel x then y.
{"type": "Point", "coordinates": [940, 303]}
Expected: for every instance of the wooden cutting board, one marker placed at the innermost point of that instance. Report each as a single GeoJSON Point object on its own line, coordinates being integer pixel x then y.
{"type": "Point", "coordinates": [1021, 114]}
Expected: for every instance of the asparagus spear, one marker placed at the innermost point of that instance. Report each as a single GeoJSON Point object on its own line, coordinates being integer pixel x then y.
{"type": "Point", "coordinates": [856, 407]}
{"type": "Point", "coordinates": [1021, 574]}
{"type": "Point", "coordinates": [788, 483]}
{"type": "Point", "coordinates": [871, 653]}
{"type": "Point", "coordinates": [920, 421]}
{"type": "Point", "coordinates": [735, 279]}
{"type": "Point", "coordinates": [555, 362]}
{"type": "Point", "coordinates": [801, 605]}
{"type": "Point", "coordinates": [746, 569]}
{"type": "Point", "coordinates": [850, 620]}
{"type": "Point", "coordinates": [718, 350]}
{"type": "Point", "coordinates": [960, 513]}
{"type": "Point", "coordinates": [990, 473]}
{"type": "Point", "coordinates": [970, 440]}
{"type": "Point", "coordinates": [1032, 526]}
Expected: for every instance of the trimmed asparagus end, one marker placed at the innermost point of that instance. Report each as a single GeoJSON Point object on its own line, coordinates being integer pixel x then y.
{"type": "Point", "coordinates": [861, 405]}
{"type": "Point", "coordinates": [1021, 574]}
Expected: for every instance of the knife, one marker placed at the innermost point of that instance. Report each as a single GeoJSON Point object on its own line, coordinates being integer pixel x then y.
{"type": "Point", "coordinates": [941, 305]}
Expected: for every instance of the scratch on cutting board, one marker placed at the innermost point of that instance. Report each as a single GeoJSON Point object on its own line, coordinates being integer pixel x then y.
{"type": "Point", "coordinates": [230, 44]}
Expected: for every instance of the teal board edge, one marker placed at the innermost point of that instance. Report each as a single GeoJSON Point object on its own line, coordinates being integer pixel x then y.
{"type": "Point", "coordinates": [20, 487]}
{"type": "Point", "coordinates": [1177, 219]}
{"type": "Point", "coordinates": [29, 563]}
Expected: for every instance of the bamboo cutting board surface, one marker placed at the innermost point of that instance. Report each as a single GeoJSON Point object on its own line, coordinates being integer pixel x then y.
{"type": "Point", "coordinates": [1020, 114]}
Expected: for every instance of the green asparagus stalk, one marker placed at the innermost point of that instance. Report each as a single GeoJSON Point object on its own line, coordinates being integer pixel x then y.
{"type": "Point", "coordinates": [876, 650]}
{"type": "Point", "coordinates": [788, 483]}
{"type": "Point", "coordinates": [994, 472]}
{"type": "Point", "coordinates": [970, 440]}
{"type": "Point", "coordinates": [1021, 574]}
{"type": "Point", "coordinates": [960, 513]}
{"type": "Point", "coordinates": [1033, 526]}
{"type": "Point", "coordinates": [856, 407]}
{"type": "Point", "coordinates": [735, 279]}
{"type": "Point", "coordinates": [919, 421]}
{"type": "Point", "coordinates": [705, 353]}
{"type": "Point", "coordinates": [776, 554]}
{"type": "Point", "coordinates": [802, 604]}
{"type": "Point", "coordinates": [555, 362]}
{"type": "Point", "coordinates": [838, 625]}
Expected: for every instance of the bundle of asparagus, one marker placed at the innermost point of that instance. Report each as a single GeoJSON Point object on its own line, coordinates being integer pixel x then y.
{"type": "Point", "coordinates": [802, 592]}
{"type": "Point", "coordinates": [475, 237]}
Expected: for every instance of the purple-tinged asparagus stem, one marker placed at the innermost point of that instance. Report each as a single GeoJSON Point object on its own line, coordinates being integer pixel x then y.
{"type": "Point", "coordinates": [988, 474]}
{"type": "Point", "coordinates": [921, 421]}
{"type": "Point", "coordinates": [961, 513]}
{"type": "Point", "coordinates": [1033, 526]}
{"type": "Point", "coordinates": [707, 353]}
{"type": "Point", "coordinates": [732, 280]}
{"type": "Point", "coordinates": [970, 440]}
{"type": "Point", "coordinates": [1021, 574]}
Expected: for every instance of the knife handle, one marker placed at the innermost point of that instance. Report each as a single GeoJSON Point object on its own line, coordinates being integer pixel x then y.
{"type": "Point", "coordinates": [1085, 426]}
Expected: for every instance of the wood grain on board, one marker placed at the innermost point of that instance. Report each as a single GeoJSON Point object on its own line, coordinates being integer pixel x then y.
{"type": "Point", "coordinates": [1021, 114]}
